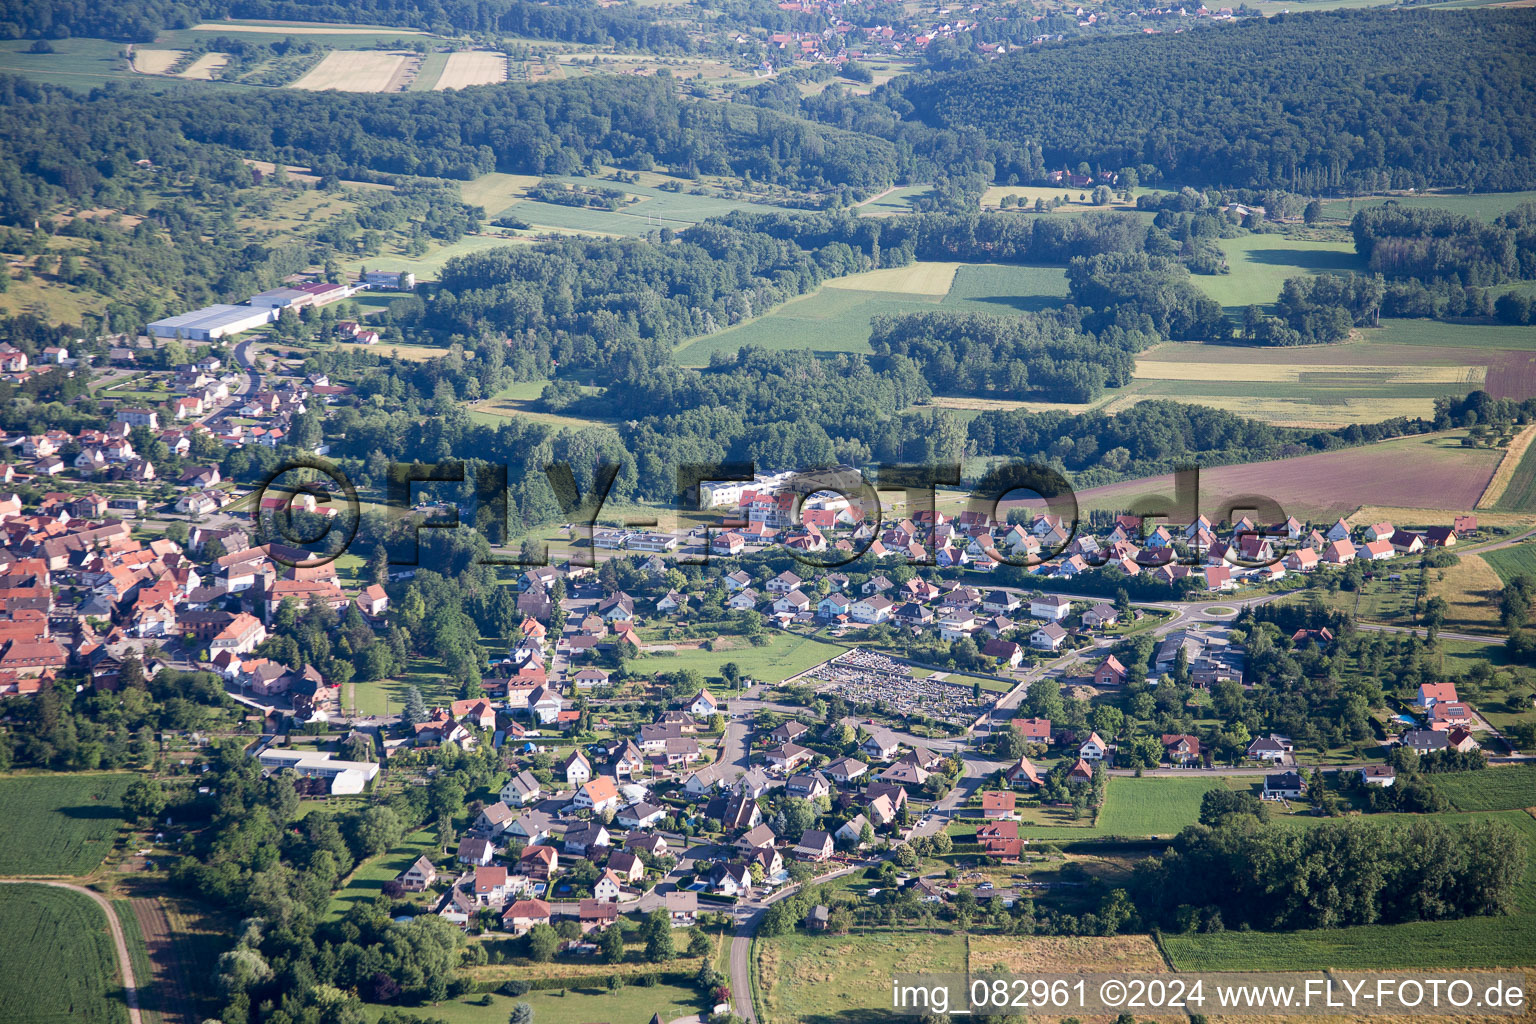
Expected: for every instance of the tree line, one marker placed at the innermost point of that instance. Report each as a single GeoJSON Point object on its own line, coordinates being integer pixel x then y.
{"type": "Point", "coordinates": [1330, 875]}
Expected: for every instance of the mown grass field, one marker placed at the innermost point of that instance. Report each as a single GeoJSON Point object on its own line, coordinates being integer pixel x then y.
{"type": "Point", "coordinates": [1473, 942]}
{"type": "Point", "coordinates": [786, 655]}
{"type": "Point", "coordinates": [368, 880]}
{"type": "Point", "coordinates": [819, 979]}
{"type": "Point", "coordinates": [1505, 787]}
{"type": "Point", "coordinates": [1261, 263]}
{"type": "Point", "coordinates": [59, 824]}
{"type": "Point", "coordinates": [60, 967]}
{"type": "Point", "coordinates": [522, 399]}
{"type": "Point", "coordinates": [79, 63]}
{"type": "Point", "coordinates": [1486, 206]}
{"type": "Point", "coordinates": [1154, 806]}
{"type": "Point", "coordinates": [1512, 562]}
{"type": "Point", "coordinates": [429, 265]}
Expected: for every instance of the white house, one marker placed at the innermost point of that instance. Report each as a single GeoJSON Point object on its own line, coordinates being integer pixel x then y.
{"type": "Point", "coordinates": [1093, 748]}
{"type": "Point", "coordinates": [1050, 607]}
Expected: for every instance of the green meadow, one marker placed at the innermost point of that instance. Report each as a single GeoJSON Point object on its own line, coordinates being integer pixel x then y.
{"type": "Point", "coordinates": [837, 318]}
{"type": "Point", "coordinates": [1261, 263]}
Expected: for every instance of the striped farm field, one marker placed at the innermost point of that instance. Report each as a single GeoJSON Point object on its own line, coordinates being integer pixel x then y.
{"type": "Point", "coordinates": [1424, 470]}
{"type": "Point", "coordinates": [1301, 372]}
{"type": "Point", "coordinates": [355, 71]}
{"type": "Point", "coordinates": [1298, 392]}
{"type": "Point", "coordinates": [1514, 486]}
{"type": "Point", "coordinates": [155, 62]}
{"type": "Point", "coordinates": [474, 67]}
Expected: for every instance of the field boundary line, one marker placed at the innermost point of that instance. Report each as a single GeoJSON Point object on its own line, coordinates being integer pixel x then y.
{"type": "Point", "coordinates": [1505, 471]}
{"type": "Point", "coordinates": [115, 927]}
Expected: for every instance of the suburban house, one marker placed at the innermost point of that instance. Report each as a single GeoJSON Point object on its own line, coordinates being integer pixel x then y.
{"type": "Point", "coordinates": [1048, 637]}
{"type": "Point", "coordinates": [1109, 673]}
{"type": "Point", "coordinates": [1181, 749]}
{"type": "Point", "coordinates": [814, 844]}
{"type": "Point", "coordinates": [418, 876]}
{"type": "Point", "coordinates": [1283, 786]}
{"type": "Point", "coordinates": [1051, 607]}
{"type": "Point", "coordinates": [998, 803]}
{"type": "Point", "coordinates": [1269, 748]}
{"type": "Point", "coordinates": [1378, 775]}
{"type": "Point", "coordinates": [523, 915]}
{"type": "Point", "coordinates": [1093, 748]}
{"type": "Point", "coordinates": [1035, 730]}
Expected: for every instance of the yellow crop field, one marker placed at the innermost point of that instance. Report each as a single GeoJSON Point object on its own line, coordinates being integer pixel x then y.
{"type": "Point", "coordinates": [357, 71]}
{"type": "Point", "coordinates": [925, 278]}
{"type": "Point", "coordinates": [1297, 412]}
{"type": "Point", "coordinates": [474, 67]}
{"type": "Point", "coordinates": [1418, 517]}
{"type": "Point", "coordinates": [155, 62]}
{"type": "Point", "coordinates": [1302, 373]}
{"type": "Point", "coordinates": [203, 68]}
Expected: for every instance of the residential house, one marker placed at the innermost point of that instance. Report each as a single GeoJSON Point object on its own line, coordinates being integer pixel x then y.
{"type": "Point", "coordinates": [1093, 748]}
{"type": "Point", "coordinates": [1048, 637]}
{"type": "Point", "coordinates": [1283, 786]}
{"type": "Point", "coordinates": [1051, 607]}
{"type": "Point", "coordinates": [420, 875]}
{"type": "Point", "coordinates": [814, 845]}
{"type": "Point", "coordinates": [998, 803]}
{"type": "Point", "coordinates": [475, 851]}
{"type": "Point", "coordinates": [522, 915]}
{"type": "Point", "coordinates": [1181, 748]}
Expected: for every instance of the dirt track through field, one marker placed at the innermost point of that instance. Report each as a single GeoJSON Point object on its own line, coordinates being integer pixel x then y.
{"type": "Point", "coordinates": [172, 997]}
{"type": "Point", "coordinates": [124, 962]}
{"type": "Point", "coordinates": [1507, 466]}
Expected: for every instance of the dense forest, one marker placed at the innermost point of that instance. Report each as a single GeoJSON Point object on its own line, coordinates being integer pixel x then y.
{"type": "Point", "coordinates": [1029, 354]}
{"type": "Point", "coordinates": [1314, 102]}
{"type": "Point", "coordinates": [66, 147]}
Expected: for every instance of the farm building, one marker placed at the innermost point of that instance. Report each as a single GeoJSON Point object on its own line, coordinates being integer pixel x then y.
{"type": "Point", "coordinates": [211, 322]}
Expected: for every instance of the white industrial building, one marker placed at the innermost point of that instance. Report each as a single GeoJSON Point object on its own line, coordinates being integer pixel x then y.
{"type": "Point", "coordinates": [280, 298]}
{"type": "Point", "coordinates": [347, 777]}
{"type": "Point", "coordinates": [211, 322]}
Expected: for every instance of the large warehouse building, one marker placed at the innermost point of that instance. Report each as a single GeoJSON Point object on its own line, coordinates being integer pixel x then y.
{"type": "Point", "coordinates": [211, 322]}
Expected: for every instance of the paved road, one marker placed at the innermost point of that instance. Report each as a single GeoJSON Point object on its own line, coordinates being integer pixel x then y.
{"type": "Point", "coordinates": [124, 963]}
{"type": "Point", "coordinates": [741, 943]}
